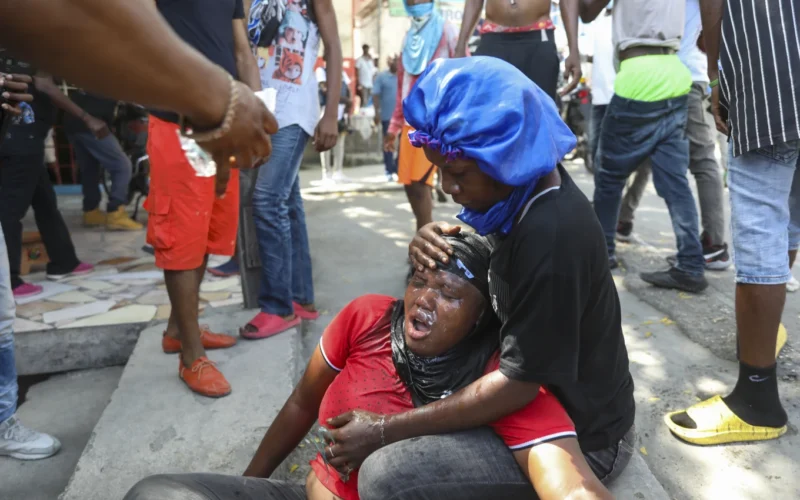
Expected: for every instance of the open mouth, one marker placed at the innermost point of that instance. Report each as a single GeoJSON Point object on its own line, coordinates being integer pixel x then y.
{"type": "Point", "coordinates": [421, 324]}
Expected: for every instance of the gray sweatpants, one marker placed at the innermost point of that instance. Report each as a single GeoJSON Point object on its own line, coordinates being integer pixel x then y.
{"type": "Point", "coordinates": [702, 164]}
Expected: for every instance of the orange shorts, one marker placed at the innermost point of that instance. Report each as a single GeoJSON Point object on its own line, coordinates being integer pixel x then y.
{"type": "Point", "coordinates": [412, 164]}
{"type": "Point", "coordinates": [186, 219]}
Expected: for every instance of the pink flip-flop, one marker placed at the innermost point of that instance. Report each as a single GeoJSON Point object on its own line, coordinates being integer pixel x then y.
{"type": "Point", "coordinates": [268, 325]}
{"type": "Point", "coordinates": [301, 312]}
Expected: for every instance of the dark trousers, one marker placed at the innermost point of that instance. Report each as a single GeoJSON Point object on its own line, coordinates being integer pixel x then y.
{"type": "Point", "coordinates": [470, 465]}
{"type": "Point", "coordinates": [389, 160]}
{"type": "Point", "coordinates": [25, 183]}
{"type": "Point", "coordinates": [632, 132]}
{"type": "Point", "coordinates": [92, 154]}
{"type": "Point", "coordinates": [598, 113]}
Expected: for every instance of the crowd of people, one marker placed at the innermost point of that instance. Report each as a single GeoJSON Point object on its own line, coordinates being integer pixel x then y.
{"type": "Point", "coordinates": [508, 344]}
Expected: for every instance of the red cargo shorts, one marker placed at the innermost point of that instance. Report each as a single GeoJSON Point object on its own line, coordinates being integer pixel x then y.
{"type": "Point", "coordinates": [187, 220]}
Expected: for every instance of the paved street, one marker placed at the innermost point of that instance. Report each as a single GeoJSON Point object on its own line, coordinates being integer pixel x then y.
{"type": "Point", "coordinates": [680, 347]}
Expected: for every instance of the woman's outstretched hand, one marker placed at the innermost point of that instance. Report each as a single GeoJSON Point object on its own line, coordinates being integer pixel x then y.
{"type": "Point", "coordinates": [428, 246]}
{"type": "Point", "coordinates": [356, 435]}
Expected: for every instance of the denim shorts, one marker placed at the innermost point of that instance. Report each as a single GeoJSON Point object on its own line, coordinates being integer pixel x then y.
{"type": "Point", "coordinates": [765, 212]}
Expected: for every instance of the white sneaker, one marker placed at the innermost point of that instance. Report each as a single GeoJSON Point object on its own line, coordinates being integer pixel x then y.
{"type": "Point", "coordinates": [17, 441]}
{"type": "Point", "coordinates": [793, 285]}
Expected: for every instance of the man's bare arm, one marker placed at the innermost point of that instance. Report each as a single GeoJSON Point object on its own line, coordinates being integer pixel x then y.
{"type": "Point", "coordinates": [44, 83]}
{"type": "Point", "coordinates": [711, 15]}
{"type": "Point", "coordinates": [246, 63]}
{"type": "Point", "coordinates": [590, 9]}
{"type": "Point", "coordinates": [472, 12]}
{"type": "Point", "coordinates": [141, 59]}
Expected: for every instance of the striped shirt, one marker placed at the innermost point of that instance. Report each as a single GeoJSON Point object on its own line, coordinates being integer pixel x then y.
{"type": "Point", "coordinates": [760, 72]}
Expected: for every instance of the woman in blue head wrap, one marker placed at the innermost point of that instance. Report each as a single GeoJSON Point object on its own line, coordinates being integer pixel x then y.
{"type": "Point", "coordinates": [429, 38]}
{"type": "Point", "coordinates": [498, 140]}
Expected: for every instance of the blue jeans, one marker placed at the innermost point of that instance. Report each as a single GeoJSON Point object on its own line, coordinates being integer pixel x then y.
{"type": "Point", "coordinates": [8, 370]}
{"type": "Point", "coordinates": [389, 160]}
{"type": "Point", "coordinates": [633, 131]}
{"type": "Point", "coordinates": [281, 226]}
{"type": "Point", "coordinates": [765, 212]}
{"type": "Point", "coordinates": [595, 127]}
{"type": "Point", "coordinates": [93, 153]}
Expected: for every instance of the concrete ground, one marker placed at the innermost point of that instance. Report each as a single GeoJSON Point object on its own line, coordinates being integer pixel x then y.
{"type": "Point", "coordinates": [67, 406]}
{"type": "Point", "coordinates": [679, 347]}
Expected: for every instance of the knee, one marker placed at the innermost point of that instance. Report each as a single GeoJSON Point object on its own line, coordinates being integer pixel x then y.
{"type": "Point", "coordinates": [376, 477]}
{"type": "Point", "coordinates": [164, 487]}
{"type": "Point", "coordinates": [267, 201]}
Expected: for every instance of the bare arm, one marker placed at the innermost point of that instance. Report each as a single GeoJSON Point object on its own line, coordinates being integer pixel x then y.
{"type": "Point", "coordinates": [590, 9]}
{"type": "Point", "coordinates": [44, 84]}
{"type": "Point", "coordinates": [558, 471]}
{"type": "Point", "coordinates": [246, 64]}
{"type": "Point", "coordinates": [327, 132]}
{"type": "Point", "coordinates": [142, 59]}
{"type": "Point", "coordinates": [572, 65]}
{"type": "Point", "coordinates": [472, 12]}
{"type": "Point", "coordinates": [711, 15]}
{"type": "Point", "coordinates": [295, 418]}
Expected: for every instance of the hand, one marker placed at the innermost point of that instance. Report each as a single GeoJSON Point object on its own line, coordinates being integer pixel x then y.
{"type": "Point", "coordinates": [572, 72]}
{"type": "Point", "coordinates": [247, 143]}
{"type": "Point", "coordinates": [356, 435]}
{"type": "Point", "coordinates": [14, 89]}
{"type": "Point", "coordinates": [719, 119]}
{"type": "Point", "coordinates": [428, 246]}
{"type": "Point", "coordinates": [97, 126]}
{"type": "Point", "coordinates": [377, 120]}
{"type": "Point", "coordinates": [460, 51]}
{"type": "Point", "coordinates": [326, 134]}
{"type": "Point", "coordinates": [390, 142]}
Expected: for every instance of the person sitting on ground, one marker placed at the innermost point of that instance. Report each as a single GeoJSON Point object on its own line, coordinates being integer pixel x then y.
{"type": "Point", "coordinates": [498, 139]}
{"type": "Point", "coordinates": [391, 355]}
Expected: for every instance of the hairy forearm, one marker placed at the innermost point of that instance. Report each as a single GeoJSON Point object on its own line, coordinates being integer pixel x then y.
{"type": "Point", "coordinates": [711, 15]}
{"type": "Point", "coordinates": [286, 432]}
{"type": "Point", "coordinates": [472, 11]}
{"type": "Point", "coordinates": [569, 13]}
{"type": "Point", "coordinates": [142, 59]}
{"type": "Point", "coordinates": [590, 9]}
{"type": "Point", "coordinates": [487, 399]}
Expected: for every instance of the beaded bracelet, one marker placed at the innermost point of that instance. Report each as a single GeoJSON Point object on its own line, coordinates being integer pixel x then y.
{"type": "Point", "coordinates": [227, 122]}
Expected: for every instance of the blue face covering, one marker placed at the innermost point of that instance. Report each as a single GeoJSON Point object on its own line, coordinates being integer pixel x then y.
{"type": "Point", "coordinates": [427, 26]}
{"type": "Point", "coordinates": [483, 108]}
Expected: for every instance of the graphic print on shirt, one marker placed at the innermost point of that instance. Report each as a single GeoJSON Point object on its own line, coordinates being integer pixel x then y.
{"type": "Point", "coordinates": [291, 47]}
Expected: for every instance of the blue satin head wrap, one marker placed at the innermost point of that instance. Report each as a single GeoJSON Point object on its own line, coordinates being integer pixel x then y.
{"type": "Point", "coordinates": [483, 108]}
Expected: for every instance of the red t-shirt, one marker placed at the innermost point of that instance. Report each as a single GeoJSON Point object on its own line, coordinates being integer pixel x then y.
{"type": "Point", "coordinates": [357, 344]}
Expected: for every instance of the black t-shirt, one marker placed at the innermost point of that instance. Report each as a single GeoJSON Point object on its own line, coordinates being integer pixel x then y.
{"type": "Point", "coordinates": [95, 105]}
{"type": "Point", "coordinates": [206, 25]}
{"type": "Point", "coordinates": [552, 288]}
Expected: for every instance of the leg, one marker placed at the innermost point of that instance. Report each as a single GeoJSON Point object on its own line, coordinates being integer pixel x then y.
{"type": "Point", "coordinates": [626, 140]}
{"type": "Point", "coordinates": [213, 487]}
{"type": "Point", "coordinates": [474, 464]}
{"type": "Point", "coordinates": [388, 158]}
{"type": "Point", "coordinates": [271, 214]}
{"type": "Point", "coordinates": [419, 196]}
{"type": "Point", "coordinates": [598, 112]}
{"type": "Point", "coordinates": [8, 368]}
{"type": "Point", "coordinates": [302, 282]}
{"type": "Point", "coordinates": [633, 195]}
{"type": "Point", "coordinates": [183, 288]}
{"type": "Point", "coordinates": [54, 231]}
{"type": "Point", "coordinates": [18, 178]}
{"type": "Point", "coordinates": [670, 162]}
{"type": "Point", "coordinates": [90, 169]}
{"type": "Point", "coordinates": [703, 166]}
{"type": "Point", "coordinates": [108, 153]}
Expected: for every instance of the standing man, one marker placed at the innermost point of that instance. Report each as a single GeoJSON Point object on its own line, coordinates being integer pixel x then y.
{"type": "Point", "coordinates": [754, 97]}
{"type": "Point", "coordinates": [603, 74]}
{"type": "Point", "coordinates": [702, 162]}
{"type": "Point", "coordinates": [188, 219]}
{"type": "Point", "coordinates": [95, 148]}
{"type": "Point", "coordinates": [646, 118]}
{"type": "Point", "coordinates": [385, 92]}
{"type": "Point", "coordinates": [522, 33]}
{"type": "Point", "coordinates": [365, 67]}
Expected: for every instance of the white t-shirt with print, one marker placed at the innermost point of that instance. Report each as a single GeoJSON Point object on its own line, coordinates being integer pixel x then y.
{"type": "Point", "coordinates": [366, 71]}
{"type": "Point", "coordinates": [290, 69]}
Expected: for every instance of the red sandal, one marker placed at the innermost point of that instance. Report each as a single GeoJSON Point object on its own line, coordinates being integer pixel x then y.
{"type": "Point", "coordinates": [268, 325]}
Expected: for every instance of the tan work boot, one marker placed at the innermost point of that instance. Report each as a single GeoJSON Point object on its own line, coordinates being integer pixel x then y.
{"type": "Point", "coordinates": [121, 221]}
{"type": "Point", "coordinates": [94, 217]}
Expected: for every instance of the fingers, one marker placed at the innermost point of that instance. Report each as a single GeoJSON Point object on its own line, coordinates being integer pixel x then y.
{"type": "Point", "coordinates": [13, 110]}
{"type": "Point", "coordinates": [223, 176]}
{"type": "Point", "coordinates": [445, 228]}
{"type": "Point", "coordinates": [421, 259]}
{"type": "Point", "coordinates": [569, 87]}
{"type": "Point", "coordinates": [19, 78]}
{"type": "Point", "coordinates": [269, 121]}
{"type": "Point", "coordinates": [339, 421]}
{"type": "Point", "coordinates": [17, 96]}
{"type": "Point", "coordinates": [14, 85]}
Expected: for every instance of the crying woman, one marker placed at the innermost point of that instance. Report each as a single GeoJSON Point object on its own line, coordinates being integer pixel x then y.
{"type": "Point", "coordinates": [386, 356]}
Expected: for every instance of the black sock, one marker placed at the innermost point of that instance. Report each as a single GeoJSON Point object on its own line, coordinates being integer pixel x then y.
{"type": "Point", "coordinates": [755, 398]}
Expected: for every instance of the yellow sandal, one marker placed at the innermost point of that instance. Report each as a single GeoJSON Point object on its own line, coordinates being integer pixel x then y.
{"type": "Point", "coordinates": [717, 424]}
